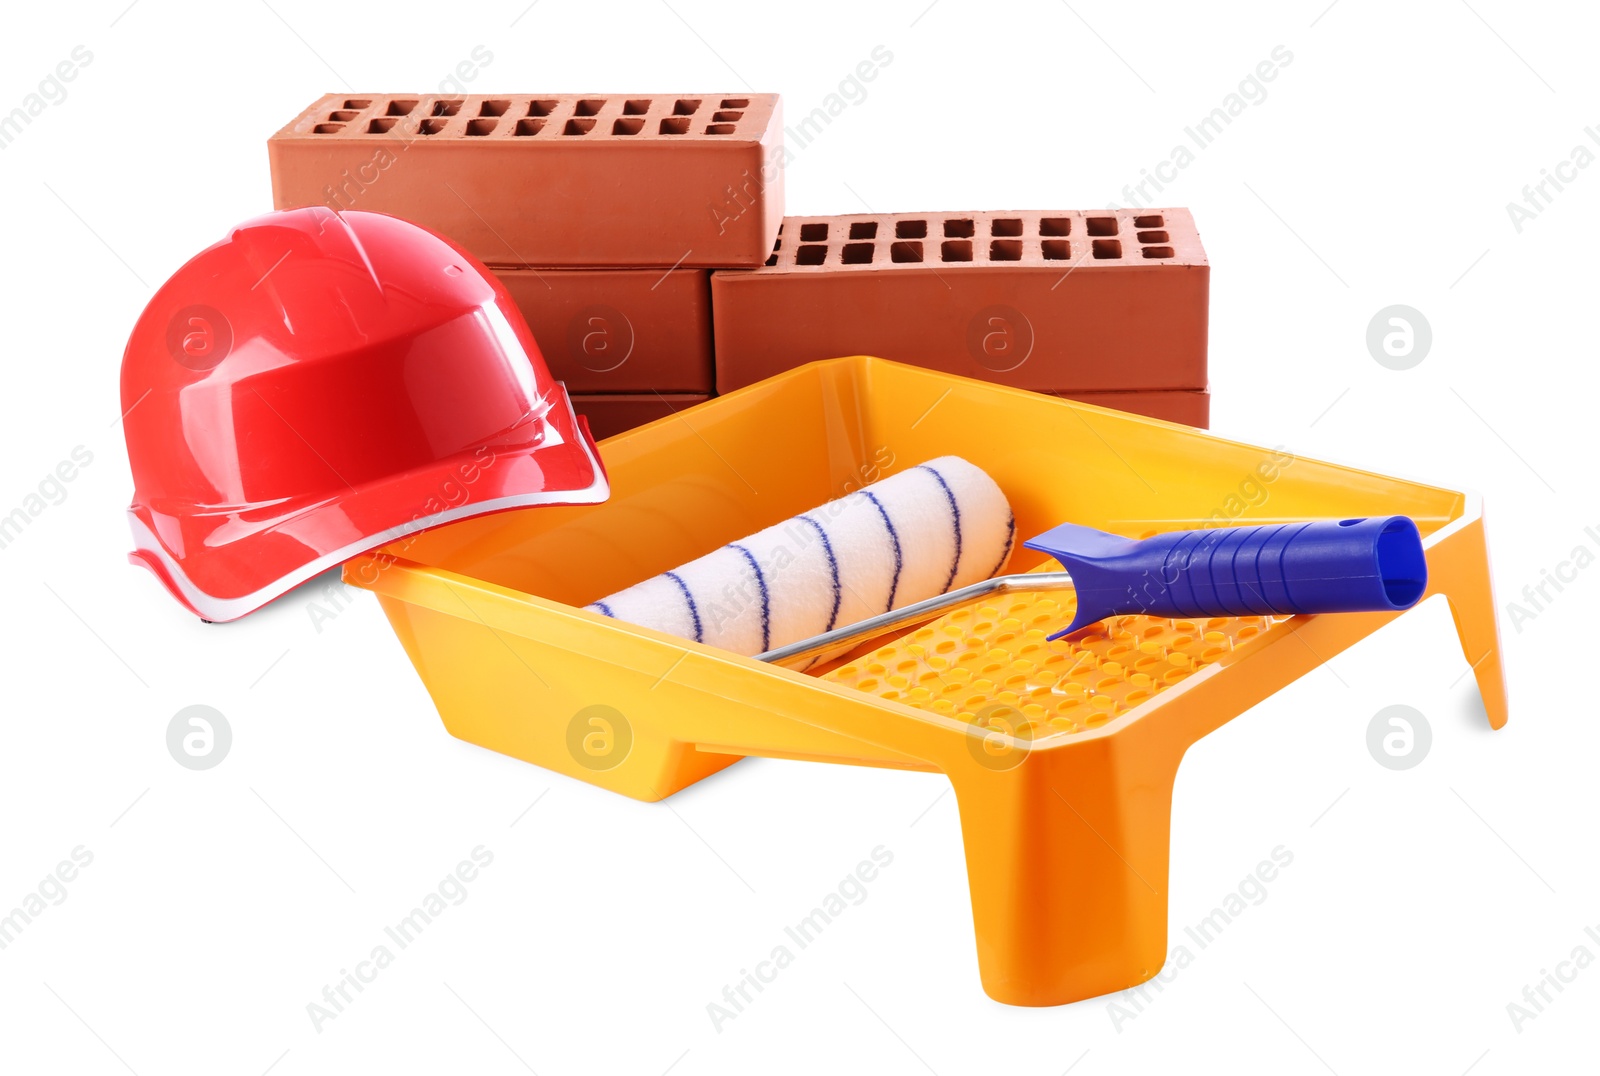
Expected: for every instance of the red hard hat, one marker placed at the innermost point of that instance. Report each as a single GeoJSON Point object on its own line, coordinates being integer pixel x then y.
{"type": "Point", "coordinates": [318, 384]}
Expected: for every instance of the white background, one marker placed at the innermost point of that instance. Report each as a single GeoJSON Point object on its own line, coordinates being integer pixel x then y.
{"type": "Point", "coordinates": [1376, 171]}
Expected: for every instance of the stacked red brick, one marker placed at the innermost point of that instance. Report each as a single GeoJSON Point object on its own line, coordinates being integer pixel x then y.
{"type": "Point", "coordinates": [643, 239]}
{"type": "Point", "coordinates": [603, 215]}
{"type": "Point", "coordinates": [1105, 307]}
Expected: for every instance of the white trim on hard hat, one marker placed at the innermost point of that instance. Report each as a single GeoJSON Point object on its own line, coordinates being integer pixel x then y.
{"type": "Point", "coordinates": [214, 608]}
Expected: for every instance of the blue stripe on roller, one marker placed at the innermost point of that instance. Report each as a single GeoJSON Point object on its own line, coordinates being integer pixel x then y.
{"type": "Point", "coordinates": [833, 566]}
{"type": "Point", "coordinates": [1011, 537]}
{"type": "Point", "coordinates": [766, 597]}
{"type": "Point", "coordinates": [605, 609]}
{"type": "Point", "coordinates": [894, 540]}
{"type": "Point", "coordinates": [955, 523]}
{"type": "Point", "coordinates": [688, 599]}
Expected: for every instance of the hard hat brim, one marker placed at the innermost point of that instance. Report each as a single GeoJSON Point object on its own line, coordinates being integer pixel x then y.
{"type": "Point", "coordinates": [242, 572]}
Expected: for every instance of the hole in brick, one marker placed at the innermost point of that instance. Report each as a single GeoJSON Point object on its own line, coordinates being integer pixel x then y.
{"type": "Point", "coordinates": [905, 252]}
{"type": "Point", "coordinates": [327, 128]}
{"type": "Point", "coordinates": [1101, 226]}
{"type": "Point", "coordinates": [1005, 250]}
{"type": "Point", "coordinates": [864, 229]}
{"type": "Point", "coordinates": [956, 250]}
{"type": "Point", "coordinates": [1158, 252]}
{"type": "Point", "coordinates": [431, 127]}
{"type": "Point", "coordinates": [675, 125]}
{"type": "Point", "coordinates": [910, 229]}
{"type": "Point", "coordinates": [401, 106]}
{"type": "Point", "coordinates": [1107, 248]}
{"type": "Point", "coordinates": [735, 102]}
{"type": "Point", "coordinates": [481, 126]}
{"type": "Point", "coordinates": [1005, 226]}
{"type": "Point", "coordinates": [1055, 250]}
{"type": "Point", "coordinates": [958, 229]}
{"type": "Point", "coordinates": [541, 108]}
{"type": "Point", "coordinates": [580, 126]}
{"type": "Point", "coordinates": [686, 107]}
{"type": "Point", "coordinates": [588, 108]}
{"type": "Point", "coordinates": [1055, 225]}
{"type": "Point", "coordinates": [813, 233]}
{"type": "Point", "coordinates": [493, 108]}
{"type": "Point", "coordinates": [1152, 237]}
{"type": "Point", "coordinates": [343, 115]}
{"type": "Point", "coordinates": [627, 126]}
{"type": "Point", "coordinates": [1152, 221]}
{"type": "Point", "coordinates": [728, 117]}
{"type": "Point", "coordinates": [857, 254]}
{"type": "Point", "coordinates": [381, 124]}
{"type": "Point", "coordinates": [810, 255]}
{"type": "Point", "coordinates": [529, 126]}
{"type": "Point", "coordinates": [446, 108]}
{"type": "Point", "coordinates": [721, 128]}
{"type": "Point", "coordinates": [363, 102]}
{"type": "Point", "coordinates": [635, 108]}
{"type": "Point", "coordinates": [773, 259]}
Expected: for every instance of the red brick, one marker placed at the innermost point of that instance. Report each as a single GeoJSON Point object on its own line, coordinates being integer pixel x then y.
{"type": "Point", "coordinates": [619, 330]}
{"type": "Point", "coordinates": [559, 180]}
{"type": "Point", "coordinates": [609, 415]}
{"type": "Point", "coordinates": [1056, 301]}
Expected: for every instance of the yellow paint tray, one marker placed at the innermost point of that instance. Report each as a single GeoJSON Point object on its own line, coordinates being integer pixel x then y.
{"type": "Point", "coordinates": [1064, 807]}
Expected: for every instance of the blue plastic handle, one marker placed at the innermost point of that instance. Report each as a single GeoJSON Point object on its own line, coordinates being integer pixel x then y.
{"type": "Point", "coordinates": [1325, 566]}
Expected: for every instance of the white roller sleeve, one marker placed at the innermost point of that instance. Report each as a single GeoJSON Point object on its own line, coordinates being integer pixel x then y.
{"type": "Point", "coordinates": [929, 529]}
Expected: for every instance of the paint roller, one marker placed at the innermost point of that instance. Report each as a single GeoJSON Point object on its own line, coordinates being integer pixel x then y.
{"type": "Point", "coordinates": [936, 536]}
{"type": "Point", "coordinates": [926, 531]}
